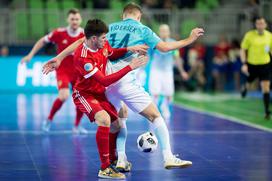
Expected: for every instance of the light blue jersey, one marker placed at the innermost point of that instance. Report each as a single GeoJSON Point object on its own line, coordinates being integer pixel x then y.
{"type": "Point", "coordinates": [130, 32]}
{"type": "Point", "coordinates": [163, 61]}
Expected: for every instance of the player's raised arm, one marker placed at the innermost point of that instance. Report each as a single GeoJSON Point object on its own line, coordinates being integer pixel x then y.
{"type": "Point", "coordinates": [167, 46]}
{"type": "Point", "coordinates": [110, 79]}
{"type": "Point", "coordinates": [120, 52]}
{"type": "Point", "coordinates": [55, 62]}
{"type": "Point", "coordinates": [179, 64]}
{"type": "Point", "coordinates": [38, 45]}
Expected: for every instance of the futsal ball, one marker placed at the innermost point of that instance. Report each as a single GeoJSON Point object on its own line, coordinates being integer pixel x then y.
{"type": "Point", "coordinates": [147, 142]}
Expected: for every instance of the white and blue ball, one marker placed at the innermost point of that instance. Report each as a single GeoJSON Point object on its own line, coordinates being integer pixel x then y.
{"type": "Point", "coordinates": [147, 142]}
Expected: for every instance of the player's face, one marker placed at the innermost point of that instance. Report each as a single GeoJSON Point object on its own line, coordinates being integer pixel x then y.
{"type": "Point", "coordinates": [74, 20]}
{"type": "Point", "coordinates": [101, 40]}
{"type": "Point", "coordinates": [260, 25]}
{"type": "Point", "coordinates": [164, 32]}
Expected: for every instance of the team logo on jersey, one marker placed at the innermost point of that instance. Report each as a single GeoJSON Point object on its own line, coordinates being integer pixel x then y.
{"type": "Point", "coordinates": [64, 41]}
{"type": "Point", "coordinates": [88, 67]}
{"type": "Point", "coordinates": [105, 52]}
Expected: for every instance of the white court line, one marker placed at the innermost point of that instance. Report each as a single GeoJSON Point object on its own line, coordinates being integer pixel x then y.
{"type": "Point", "coordinates": [64, 132]}
{"type": "Point", "coordinates": [222, 116]}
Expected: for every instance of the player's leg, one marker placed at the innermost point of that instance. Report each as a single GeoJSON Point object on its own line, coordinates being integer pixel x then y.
{"type": "Point", "coordinates": [155, 85]}
{"type": "Point", "coordinates": [264, 76]}
{"type": "Point", "coordinates": [63, 95]}
{"type": "Point", "coordinates": [265, 85]}
{"type": "Point", "coordinates": [96, 113]}
{"type": "Point", "coordinates": [168, 92]}
{"type": "Point", "coordinates": [135, 97]}
{"type": "Point", "coordinates": [122, 163]}
{"type": "Point", "coordinates": [253, 74]}
{"type": "Point", "coordinates": [77, 129]}
{"type": "Point", "coordinates": [161, 131]}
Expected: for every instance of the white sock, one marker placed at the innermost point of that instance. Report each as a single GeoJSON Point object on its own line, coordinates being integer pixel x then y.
{"type": "Point", "coordinates": [162, 134]}
{"type": "Point", "coordinates": [121, 139]}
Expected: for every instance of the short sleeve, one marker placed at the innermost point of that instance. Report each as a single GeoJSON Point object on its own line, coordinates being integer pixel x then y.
{"type": "Point", "coordinates": [245, 42]}
{"type": "Point", "coordinates": [150, 38]}
{"type": "Point", "coordinates": [52, 37]}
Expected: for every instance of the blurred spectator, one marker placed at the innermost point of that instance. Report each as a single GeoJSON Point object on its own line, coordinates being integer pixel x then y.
{"type": "Point", "coordinates": [196, 56]}
{"type": "Point", "coordinates": [253, 9]}
{"type": "Point", "coordinates": [235, 62]}
{"type": "Point", "coordinates": [220, 63]}
{"type": "Point", "coordinates": [4, 51]}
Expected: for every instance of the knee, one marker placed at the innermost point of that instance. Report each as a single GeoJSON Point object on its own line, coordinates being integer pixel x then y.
{"type": "Point", "coordinates": [152, 116]}
{"type": "Point", "coordinates": [64, 95]}
{"type": "Point", "coordinates": [265, 87]}
{"type": "Point", "coordinates": [123, 113]}
{"type": "Point", "coordinates": [102, 118]}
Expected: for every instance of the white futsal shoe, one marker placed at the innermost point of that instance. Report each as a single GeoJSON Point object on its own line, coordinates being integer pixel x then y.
{"type": "Point", "coordinates": [46, 125]}
{"type": "Point", "coordinates": [79, 130]}
{"type": "Point", "coordinates": [174, 162]}
{"type": "Point", "coordinates": [123, 165]}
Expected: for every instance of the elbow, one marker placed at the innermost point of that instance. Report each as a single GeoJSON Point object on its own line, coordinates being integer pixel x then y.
{"type": "Point", "coordinates": [164, 47]}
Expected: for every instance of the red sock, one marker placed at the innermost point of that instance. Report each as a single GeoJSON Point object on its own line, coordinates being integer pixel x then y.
{"type": "Point", "coordinates": [102, 141]}
{"type": "Point", "coordinates": [112, 146]}
{"type": "Point", "coordinates": [56, 106]}
{"type": "Point", "coordinates": [79, 115]}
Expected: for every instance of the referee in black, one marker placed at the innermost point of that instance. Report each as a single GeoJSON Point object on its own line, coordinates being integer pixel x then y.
{"type": "Point", "coordinates": [255, 49]}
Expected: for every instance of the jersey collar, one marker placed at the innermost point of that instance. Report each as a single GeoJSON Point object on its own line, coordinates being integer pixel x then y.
{"type": "Point", "coordinates": [73, 33]}
{"type": "Point", "coordinates": [88, 48]}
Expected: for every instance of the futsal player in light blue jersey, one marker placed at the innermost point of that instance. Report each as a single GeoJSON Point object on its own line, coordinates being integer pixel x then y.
{"type": "Point", "coordinates": [161, 74]}
{"type": "Point", "coordinates": [130, 31]}
{"type": "Point", "coordinates": [125, 33]}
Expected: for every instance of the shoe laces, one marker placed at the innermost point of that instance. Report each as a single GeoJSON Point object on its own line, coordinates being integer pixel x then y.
{"type": "Point", "coordinates": [114, 168]}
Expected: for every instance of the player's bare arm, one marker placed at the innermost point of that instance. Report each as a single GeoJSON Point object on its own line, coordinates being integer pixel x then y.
{"type": "Point", "coordinates": [141, 49]}
{"type": "Point", "coordinates": [179, 63]}
{"type": "Point", "coordinates": [167, 46]}
{"type": "Point", "coordinates": [55, 62]}
{"type": "Point", "coordinates": [38, 45]}
{"type": "Point", "coordinates": [244, 68]}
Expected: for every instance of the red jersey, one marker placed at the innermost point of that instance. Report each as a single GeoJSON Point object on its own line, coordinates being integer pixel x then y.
{"type": "Point", "coordinates": [90, 68]}
{"type": "Point", "coordinates": [64, 37]}
{"type": "Point", "coordinates": [87, 62]}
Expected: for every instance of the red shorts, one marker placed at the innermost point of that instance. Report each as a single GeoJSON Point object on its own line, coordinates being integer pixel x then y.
{"type": "Point", "coordinates": [65, 78]}
{"type": "Point", "coordinates": [90, 105]}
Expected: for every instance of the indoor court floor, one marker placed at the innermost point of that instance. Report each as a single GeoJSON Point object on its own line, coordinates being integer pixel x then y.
{"type": "Point", "coordinates": [219, 148]}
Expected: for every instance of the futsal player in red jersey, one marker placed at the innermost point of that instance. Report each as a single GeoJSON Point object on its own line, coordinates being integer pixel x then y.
{"type": "Point", "coordinates": [62, 37]}
{"type": "Point", "coordinates": [90, 60]}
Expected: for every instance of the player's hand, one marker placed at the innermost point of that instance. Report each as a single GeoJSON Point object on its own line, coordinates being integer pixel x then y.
{"type": "Point", "coordinates": [26, 59]}
{"type": "Point", "coordinates": [244, 69]}
{"type": "Point", "coordinates": [50, 66]}
{"type": "Point", "coordinates": [141, 49]}
{"type": "Point", "coordinates": [184, 75]}
{"type": "Point", "coordinates": [196, 33]}
{"type": "Point", "coordinates": [138, 62]}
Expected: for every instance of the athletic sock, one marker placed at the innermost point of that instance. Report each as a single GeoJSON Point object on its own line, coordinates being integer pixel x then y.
{"type": "Point", "coordinates": [162, 134]}
{"type": "Point", "coordinates": [79, 115]}
{"type": "Point", "coordinates": [112, 146]}
{"type": "Point", "coordinates": [102, 141]}
{"type": "Point", "coordinates": [121, 139]}
{"type": "Point", "coordinates": [266, 99]}
{"type": "Point", "coordinates": [56, 106]}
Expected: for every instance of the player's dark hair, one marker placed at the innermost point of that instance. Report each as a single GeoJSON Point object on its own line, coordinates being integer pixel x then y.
{"type": "Point", "coordinates": [131, 7]}
{"type": "Point", "coordinates": [95, 27]}
{"type": "Point", "coordinates": [258, 18]}
{"type": "Point", "coordinates": [73, 11]}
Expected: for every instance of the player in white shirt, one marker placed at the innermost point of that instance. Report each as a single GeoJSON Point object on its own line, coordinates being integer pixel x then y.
{"type": "Point", "coordinates": [161, 75]}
